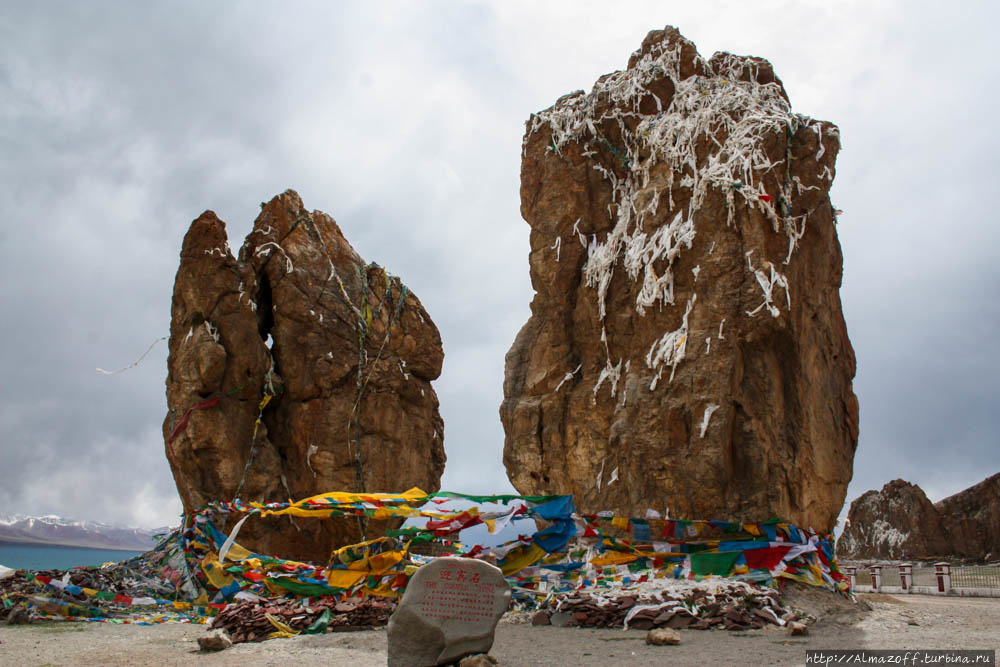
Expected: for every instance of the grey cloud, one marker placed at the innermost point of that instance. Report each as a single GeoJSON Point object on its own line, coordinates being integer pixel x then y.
{"type": "Point", "coordinates": [121, 122]}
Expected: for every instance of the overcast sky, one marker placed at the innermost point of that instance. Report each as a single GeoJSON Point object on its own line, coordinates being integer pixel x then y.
{"type": "Point", "coordinates": [120, 122]}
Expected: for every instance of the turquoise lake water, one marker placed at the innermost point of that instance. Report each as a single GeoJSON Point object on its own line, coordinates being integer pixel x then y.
{"type": "Point", "coordinates": [46, 557]}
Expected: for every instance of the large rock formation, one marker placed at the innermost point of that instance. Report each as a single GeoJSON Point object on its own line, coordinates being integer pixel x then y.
{"type": "Point", "coordinates": [297, 369]}
{"type": "Point", "coordinates": [973, 519]}
{"type": "Point", "coordinates": [892, 523]}
{"type": "Point", "coordinates": [900, 522]}
{"type": "Point", "coordinates": [686, 347]}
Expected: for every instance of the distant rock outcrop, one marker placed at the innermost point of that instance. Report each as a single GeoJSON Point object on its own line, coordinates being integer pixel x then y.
{"type": "Point", "coordinates": [686, 348]}
{"type": "Point", "coordinates": [973, 518]}
{"type": "Point", "coordinates": [900, 522]}
{"type": "Point", "coordinates": [892, 523]}
{"type": "Point", "coordinates": [297, 369]}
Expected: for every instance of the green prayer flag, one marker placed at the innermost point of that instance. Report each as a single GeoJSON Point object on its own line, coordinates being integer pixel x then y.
{"type": "Point", "coordinates": [714, 563]}
{"type": "Point", "coordinates": [319, 626]}
{"type": "Point", "coordinates": [304, 589]}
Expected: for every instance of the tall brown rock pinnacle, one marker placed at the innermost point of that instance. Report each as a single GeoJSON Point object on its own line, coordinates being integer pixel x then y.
{"type": "Point", "coordinates": [686, 348]}
{"type": "Point", "coordinates": [342, 353]}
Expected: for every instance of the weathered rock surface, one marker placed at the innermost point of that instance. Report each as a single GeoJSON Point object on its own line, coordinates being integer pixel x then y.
{"type": "Point", "coordinates": [900, 522]}
{"type": "Point", "coordinates": [18, 616]}
{"type": "Point", "coordinates": [450, 609]}
{"type": "Point", "coordinates": [796, 629]}
{"type": "Point", "coordinates": [973, 519]}
{"type": "Point", "coordinates": [892, 523]}
{"type": "Point", "coordinates": [480, 660]}
{"type": "Point", "coordinates": [663, 637]}
{"type": "Point", "coordinates": [344, 351]}
{"type": "Point", "coordinates": [215, 640]}
{"type": "Point", "coordinates": [686, 348]}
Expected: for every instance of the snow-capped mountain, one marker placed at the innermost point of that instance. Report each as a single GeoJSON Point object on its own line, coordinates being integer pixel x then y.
{"type": "Point", "coordinates": [52, 529]}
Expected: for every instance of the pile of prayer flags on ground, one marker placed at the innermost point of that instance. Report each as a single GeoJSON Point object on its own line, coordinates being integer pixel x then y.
{"type": "Point", "coordinates": [198, 570]}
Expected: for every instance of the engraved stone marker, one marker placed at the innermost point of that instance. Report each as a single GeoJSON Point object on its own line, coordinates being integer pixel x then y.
{"type": "Point", "coordinates": [450, 609]}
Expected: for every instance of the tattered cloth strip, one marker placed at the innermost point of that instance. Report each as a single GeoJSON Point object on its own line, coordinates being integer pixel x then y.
{"type": "Point", "coordinates": [134, 363]}
{"type": "Point", "coordinates": [182, 424]}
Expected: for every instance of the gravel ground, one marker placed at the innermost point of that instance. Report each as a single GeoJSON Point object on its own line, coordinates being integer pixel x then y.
{"type": "Point", "coordinates": [898, 622]}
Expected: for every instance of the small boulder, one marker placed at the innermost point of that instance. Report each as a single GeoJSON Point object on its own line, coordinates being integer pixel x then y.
{"type": "Point", "coordinates": [561, 619]}
{"type": "Point", "coordinates": [479, 660]}
{"type": "Point", "coordinates": [18, 616]}
{"type": "Point", "coordinates": [450, 610]}
{"type": "Point", "coordinates": [215, 640]}
{"type": "Point", "coordinates": [796, 629]}
{"type": "Point", "coordinates": [663, 637]}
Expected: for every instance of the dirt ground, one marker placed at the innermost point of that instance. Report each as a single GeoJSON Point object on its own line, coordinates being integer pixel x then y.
{"type": "Point", "coordinates": [897, 622]}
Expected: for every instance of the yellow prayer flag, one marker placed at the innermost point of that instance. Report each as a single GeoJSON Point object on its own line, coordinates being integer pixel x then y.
{"type": "Point", "coordinates": [522, 557]}
{"type": "Point", "coordinates": [613, 558]}
{"type": "Point", "coordinates": [345, 578]}
{"type": "Point", "coordinates": [284, 631]}
{"type": "Point", "coordinates": [216, 575]}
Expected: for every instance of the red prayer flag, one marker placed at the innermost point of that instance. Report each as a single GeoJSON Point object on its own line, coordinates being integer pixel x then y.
{"type": "Point", "coordinates": [182, 424]}
{"type": "Point", "coordinates": [453, 524]}
{"type": "Point", "coordinates": [765, 559]}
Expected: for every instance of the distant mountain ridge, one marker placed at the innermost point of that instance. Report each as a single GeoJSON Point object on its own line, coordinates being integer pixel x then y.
{"type": "Point", "coordinates": [55, 530]}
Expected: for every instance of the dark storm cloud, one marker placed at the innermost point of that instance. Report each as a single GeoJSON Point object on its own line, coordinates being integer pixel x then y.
{"type": "Point", "coordinates": [121, 122]}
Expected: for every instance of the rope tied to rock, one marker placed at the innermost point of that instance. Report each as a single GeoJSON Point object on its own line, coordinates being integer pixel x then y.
{"type": "Point", "coordinates": [269, 386]}
{"type": "Point", "coordinates": [365, 316]}
{"type": "Point", "coordinates": [364, 325]}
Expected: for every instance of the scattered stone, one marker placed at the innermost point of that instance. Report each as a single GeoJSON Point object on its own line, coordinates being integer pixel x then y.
{"type": "Point", "coordinates": [663, 637]}
{"type": "Point", "coordinates": [732, 605]}
{"type": "Point", "coordinates": [541, 618]}
{"type": "Point", "coordinates": [796, 629]}
{"type": "Point", "coordinates": [561, 619]}
{"type": "Point", "coordinates": [679, 621]}
{"type": "Point", "coordinates": [480, 660]}
{"type": "Point", "coordinates": [215, 640]}
{"type": "Point", "coordinates": [18, 616]}
{"type": "Point", "coordinates": [450, 609]}
{"type": "Point", "coordinates": [247, 621]}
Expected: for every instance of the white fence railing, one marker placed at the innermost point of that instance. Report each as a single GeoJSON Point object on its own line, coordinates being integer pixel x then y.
{"type": "Point", "coordinates": [939, 579]}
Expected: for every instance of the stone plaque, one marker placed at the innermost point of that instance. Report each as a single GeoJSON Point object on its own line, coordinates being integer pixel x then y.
{"type": "Point", "coordinates": [450, 609]}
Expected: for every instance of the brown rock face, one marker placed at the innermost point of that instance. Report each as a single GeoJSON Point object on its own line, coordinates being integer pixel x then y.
{"type": "Point", "coordinates": [686, 347]}
{"type": "Point", "coordinates": [896, 522]}
{"type": "Point", "coordinates": [900, 522]}
{"type": "Point", "coordinates": [973, 518]}
{"type": "Point", "coordinates": [344, 351]}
